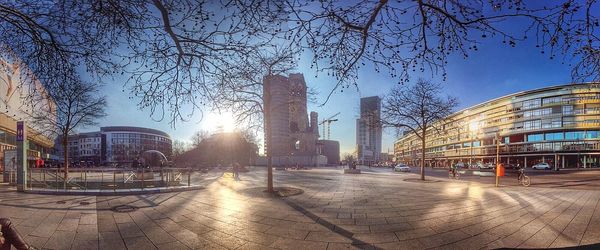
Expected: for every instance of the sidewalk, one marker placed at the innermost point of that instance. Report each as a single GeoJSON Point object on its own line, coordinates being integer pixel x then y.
{"type": "Point", "coordinates": [335, 211]}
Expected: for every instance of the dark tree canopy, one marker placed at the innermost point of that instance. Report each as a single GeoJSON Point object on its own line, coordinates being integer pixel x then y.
{"type": "Point", "coordinates": [182, 53]}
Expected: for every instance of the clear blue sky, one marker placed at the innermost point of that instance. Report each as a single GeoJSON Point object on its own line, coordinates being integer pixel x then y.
{"type": "Point", "coordinates": [495, 70]}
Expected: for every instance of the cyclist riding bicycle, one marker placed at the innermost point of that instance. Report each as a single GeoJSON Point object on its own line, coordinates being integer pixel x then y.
{"type": "Point", "coordinates": [521, 172]}
{"type": "Point", "coordinates": [453, 169]}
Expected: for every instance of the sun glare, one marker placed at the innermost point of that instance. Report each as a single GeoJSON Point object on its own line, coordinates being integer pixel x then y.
{"type": "Point", "coordinates": [224, 121]}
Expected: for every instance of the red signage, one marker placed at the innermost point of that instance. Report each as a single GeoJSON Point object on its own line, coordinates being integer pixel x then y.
{"type": "Point", "coordinates": [20, 131]}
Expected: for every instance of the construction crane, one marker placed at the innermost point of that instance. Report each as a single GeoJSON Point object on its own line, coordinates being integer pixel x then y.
{"type": "Point", "coordinates": [326, 125]}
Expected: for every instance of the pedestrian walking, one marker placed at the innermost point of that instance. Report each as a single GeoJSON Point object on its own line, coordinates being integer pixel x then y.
{"type": "Point", "coordinates": [236, 171]}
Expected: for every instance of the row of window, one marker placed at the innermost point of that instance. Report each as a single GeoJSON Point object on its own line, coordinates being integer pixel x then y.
{"type": "Point", "coordinates": [574, 135]}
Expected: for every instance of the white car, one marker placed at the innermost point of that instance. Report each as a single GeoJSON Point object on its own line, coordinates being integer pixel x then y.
{"type": "Point", "coordinates": [542, 166]}
{"type": "Point", "coordinates": [402, 168]}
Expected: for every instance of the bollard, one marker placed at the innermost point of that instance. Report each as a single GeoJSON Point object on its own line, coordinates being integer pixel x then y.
{"type": "Point", "coordinates": [114, 181]}
{"type": "Point", "coordinates": [142, 179]}
{"type": "Point", "coordinates": [56, 183]}
{"type": "Point", "coordinates": [189, 174]}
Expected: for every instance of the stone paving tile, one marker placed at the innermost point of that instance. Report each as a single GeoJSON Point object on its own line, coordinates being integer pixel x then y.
{"type": "Point", "coordinates": [298, 244]}
{"type": "Point", "coordinates": [338, 214]}
{"type": "Point", "coordinates": [376, 237]}
{"type": "Point", "coordinates": [288, 233]}
{"type": "Point", "coordinates": [405, 244]}
{"type": "Point", "coordinates": [139, 243]}
{"type": "Point", "coordinates": [336, 246]}
{"type": "Point", "coordinates": [60, 240]}
{"type": "Point", "coordinates": [172, 245]}
{"type": "Point", "coordinates": [129, 230]}
{"type": "Point", "coordinates": [85, 244]}
{"type": "Point", "coordinates": [37, 242]}
{"type": "Point", "coordinates": [327, 237]}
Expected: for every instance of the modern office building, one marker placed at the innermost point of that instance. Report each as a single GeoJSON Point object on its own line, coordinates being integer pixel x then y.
{"type": "Point", "coordinates": [17, 86]}
{"type": "Point", "coordinates": [293, 135]}
{"type": "Point", "coordinates": [117, 144]}
{"type": "Point", "coordinates": [368, 131]}
{"type": "Point", "coordinates": [558, 125]}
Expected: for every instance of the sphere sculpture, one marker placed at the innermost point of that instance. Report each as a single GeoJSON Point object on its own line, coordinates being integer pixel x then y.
{"type": "Point", "coordinates": [153, 158]}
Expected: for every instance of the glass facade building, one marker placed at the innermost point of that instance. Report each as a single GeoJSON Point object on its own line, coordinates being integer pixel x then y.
{"type": "Point", "coordinates": [117, 144]}
{"type": "Point", "coordinates": [558, 125]}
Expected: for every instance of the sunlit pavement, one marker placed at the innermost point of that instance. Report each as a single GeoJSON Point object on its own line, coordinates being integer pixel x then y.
{"type": "Point", "coordinates": [336, 211]}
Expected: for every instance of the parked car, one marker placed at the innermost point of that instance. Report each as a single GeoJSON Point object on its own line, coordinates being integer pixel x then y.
{"type": "Point", "coordinates": [488, 165]}
{"type": "Point", "coordinates": [460, 164]}
{"type": "Point", "coordinates": [402, 168]}
{"type": "Point", "coordinates": [542, 166]}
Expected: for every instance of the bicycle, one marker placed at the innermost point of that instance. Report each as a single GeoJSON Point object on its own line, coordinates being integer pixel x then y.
{"type": "Point", "coordinates": [524, 179]}
{"type": "Point", "coordinates": [453, 174]}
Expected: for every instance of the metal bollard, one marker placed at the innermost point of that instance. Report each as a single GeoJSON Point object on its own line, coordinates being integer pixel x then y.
{"type": "Point", "coordinates": [142, 179]}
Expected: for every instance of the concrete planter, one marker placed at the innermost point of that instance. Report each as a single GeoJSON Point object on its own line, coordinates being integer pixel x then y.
{"type": "Point", "coordinates": [351, 171]}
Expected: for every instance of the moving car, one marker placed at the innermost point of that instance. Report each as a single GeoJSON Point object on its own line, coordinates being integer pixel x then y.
{"type": "Point", "coordinates": [402, 168]}
{"type": "Point", "coordinates": [542, 166]}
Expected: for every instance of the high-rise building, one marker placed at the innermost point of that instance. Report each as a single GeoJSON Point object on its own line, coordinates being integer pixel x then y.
{"type": "Point", "coordinates": [293, 135]}
{"type": "Point", "coordinates": [368, 130]}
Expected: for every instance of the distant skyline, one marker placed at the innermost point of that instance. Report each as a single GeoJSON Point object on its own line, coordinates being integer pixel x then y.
{"type": "Point", "coordinates": [492, 71]}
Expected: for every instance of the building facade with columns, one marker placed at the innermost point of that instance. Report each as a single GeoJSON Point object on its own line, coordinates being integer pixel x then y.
{"type": "Point", "coordinates": [559, 125]}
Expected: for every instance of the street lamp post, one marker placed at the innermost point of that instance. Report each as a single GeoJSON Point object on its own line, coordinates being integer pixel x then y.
{"type": "Point", "coordinates": [497, 158]}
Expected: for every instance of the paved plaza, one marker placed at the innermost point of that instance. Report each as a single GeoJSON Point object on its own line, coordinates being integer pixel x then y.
{"type": "Point", "coordinates": [336, 211]}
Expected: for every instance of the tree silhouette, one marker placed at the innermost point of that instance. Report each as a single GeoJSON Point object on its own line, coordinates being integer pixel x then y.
{"type": "Point", "coordinates": [419, 109]}
{"type": "Point", "coordinates": [180, 53]}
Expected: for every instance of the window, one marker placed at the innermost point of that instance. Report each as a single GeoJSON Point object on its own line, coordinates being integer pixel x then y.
{"type": "Point", "coordinates": [579, 135]}
{"type": "Point", "coordinates": [567, 121]}
{"type": "Point", "coordinates": [554, 136]}
{"type": "Point", "coordinates": [551, 123]}
{"type": "Point", "coordinates": [567, 110]}
{"type": "Point", "coordinates": [537, 112]}
{"type": "Point", "coordinates": [549, 100]}
{"type": "Point", "coordinates": [530, 125]}
{"type": "Point", "coordinates": [535, 137]}
{"type": "Point", "coordinates": [592, 134]}
{"type": "Point", "coordinates": [533, 103]}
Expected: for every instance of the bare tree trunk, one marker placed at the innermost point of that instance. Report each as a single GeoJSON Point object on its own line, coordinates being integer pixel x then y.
{"type": "Point", "coordinates": [66, 157]}
{"type": "Point", "coordinates": [423, 156]}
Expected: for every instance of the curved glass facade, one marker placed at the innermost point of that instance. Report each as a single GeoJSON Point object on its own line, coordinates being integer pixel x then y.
{"type": "Point", "coordinates": [558, 125]}
{"type": "Point", "coordinates": [125, 144]}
